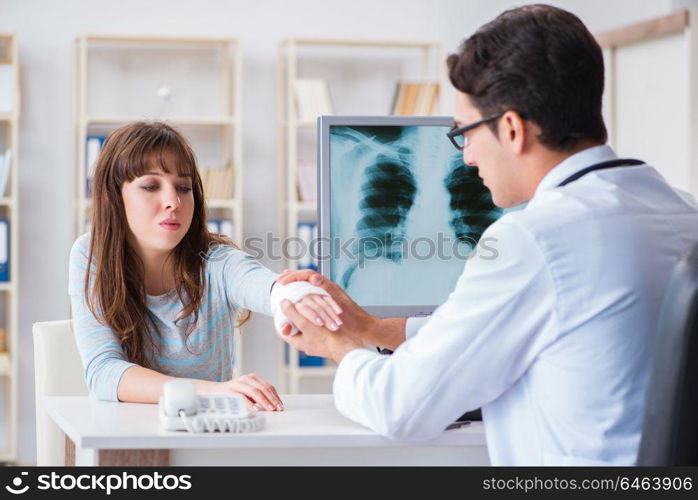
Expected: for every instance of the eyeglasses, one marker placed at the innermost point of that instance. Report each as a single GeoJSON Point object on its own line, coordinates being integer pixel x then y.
{"type": "Point", "coordinates": [457, 134]}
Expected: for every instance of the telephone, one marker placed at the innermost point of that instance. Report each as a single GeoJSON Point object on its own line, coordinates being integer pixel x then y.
{"type": "Point", "coordinates": [182, 409]}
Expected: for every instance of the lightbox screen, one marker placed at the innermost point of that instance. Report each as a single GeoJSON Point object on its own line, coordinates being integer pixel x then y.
{"type": "Point", "coordinates": [405, 213]}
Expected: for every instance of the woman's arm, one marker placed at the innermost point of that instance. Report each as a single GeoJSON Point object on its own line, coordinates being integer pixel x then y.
{"type": "Point", "coordinates": [111, 377]}
{"type": "Point", "coordinates": [244, 281]}
{"type": "Point", "coordinates": [143, 385]}
{"type": "Point", "coordinates": [100, 350]}
{"type": "Point", "coordinates": [247, 284]}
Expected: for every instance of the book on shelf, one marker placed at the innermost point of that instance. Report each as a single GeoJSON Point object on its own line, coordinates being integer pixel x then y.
{"type": "Point", "coordinates": [415, 98]}
{"type": "Point", "coordinates": [398, 98]}
{"type": "Point", "coordinates": [217, 182]}
{"type": "Point", "coordinates": [5, 49]}
{"type": "Point", "coordinates": [4, 250]}
{"type": "Point", "coordinates": [3, 341]}
{"type": "Point", "coordinates": [5, 167]}
{"type": "Point", "coordinates": [307, 181]}
{"type": "Point", "coordinates": [431, 98]}
{"type": "Point", "coordinates": [408, 105]}
{"type": "Point", "coordinates": [312, 99]}
{"type": "Point", "coordinates": [93, 146]}
{"type": "Point", "coordinates": [226, 227]}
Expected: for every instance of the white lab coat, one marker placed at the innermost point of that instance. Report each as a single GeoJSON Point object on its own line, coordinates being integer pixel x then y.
{"type": "Point", "coordinates": [554, 337]}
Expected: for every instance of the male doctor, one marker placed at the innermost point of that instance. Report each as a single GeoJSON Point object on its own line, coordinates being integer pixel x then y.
{"type": "Point", "coordinates": [554, 338]}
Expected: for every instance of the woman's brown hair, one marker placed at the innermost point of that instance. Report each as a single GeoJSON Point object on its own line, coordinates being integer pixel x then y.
{"type": "Point", "coordinates": [117, 297]}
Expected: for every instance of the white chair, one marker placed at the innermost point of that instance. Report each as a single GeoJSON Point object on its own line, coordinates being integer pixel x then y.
{"type": "Point", "coordinates": [57, 372]}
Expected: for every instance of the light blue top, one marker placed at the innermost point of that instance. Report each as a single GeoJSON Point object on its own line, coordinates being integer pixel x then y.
{"type": "Point", "coordinates": [234, 280]}
{"type": "Point", "coordinates": [553, 337]}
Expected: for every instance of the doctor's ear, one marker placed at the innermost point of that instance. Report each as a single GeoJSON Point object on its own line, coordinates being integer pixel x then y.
{"type": "Point", "coordinates": [514, 131]}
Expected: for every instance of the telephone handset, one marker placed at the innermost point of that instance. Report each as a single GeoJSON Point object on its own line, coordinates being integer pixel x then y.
{"type": "Point", "coordinates": [182, 409]}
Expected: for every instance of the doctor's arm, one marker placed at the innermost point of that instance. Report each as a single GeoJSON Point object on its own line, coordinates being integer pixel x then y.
{"type": "Point", "coordinates": [472, 349]}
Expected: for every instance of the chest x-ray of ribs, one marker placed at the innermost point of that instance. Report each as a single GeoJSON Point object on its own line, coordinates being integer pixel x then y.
{"type": "Point", "coordinates": [388, 191]}
{"type": "Point", "coordinates": [399, 166]}
{"type": "Point", "coordinates": [472, 209]}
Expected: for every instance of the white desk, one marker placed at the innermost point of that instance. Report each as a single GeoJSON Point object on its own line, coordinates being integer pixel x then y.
{"type": "Point", "coordinates": [309, 432]}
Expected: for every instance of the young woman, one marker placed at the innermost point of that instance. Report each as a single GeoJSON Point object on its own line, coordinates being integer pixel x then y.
{"type": "Point", "coordinates": [154, 295]}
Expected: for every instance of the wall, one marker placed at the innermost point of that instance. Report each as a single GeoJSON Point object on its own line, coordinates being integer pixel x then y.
{"type": "Point", "coordinates": [598, 15]}
{"type": "Point", "coordinates": [46, 31]}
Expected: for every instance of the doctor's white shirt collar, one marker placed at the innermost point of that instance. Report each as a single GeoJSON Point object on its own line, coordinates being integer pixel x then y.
{"type": "Point", "coordinates": [573, 164]}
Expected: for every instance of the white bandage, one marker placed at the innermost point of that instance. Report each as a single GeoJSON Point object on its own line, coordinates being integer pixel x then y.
{"type": "Point", "coordinates": [294, 292]}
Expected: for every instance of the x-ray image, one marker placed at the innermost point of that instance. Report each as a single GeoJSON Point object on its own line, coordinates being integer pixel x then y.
{"type": "Point", "coordinates": [405, 213]}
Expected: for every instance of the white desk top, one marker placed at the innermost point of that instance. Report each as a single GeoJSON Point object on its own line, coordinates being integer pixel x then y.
{"type": "Point", "coordinates": [309, 420]}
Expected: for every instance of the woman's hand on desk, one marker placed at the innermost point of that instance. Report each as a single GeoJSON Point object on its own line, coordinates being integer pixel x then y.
{"type": "Point", "coordinates": [260, 395]}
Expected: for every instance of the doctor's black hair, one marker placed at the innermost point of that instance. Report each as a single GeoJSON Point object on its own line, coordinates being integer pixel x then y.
{"type": "Point", "coordinates": [542, 62]}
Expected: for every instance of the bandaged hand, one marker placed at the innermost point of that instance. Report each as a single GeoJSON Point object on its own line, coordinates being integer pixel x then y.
{"type": "Point", "coordinates": [314, 303]}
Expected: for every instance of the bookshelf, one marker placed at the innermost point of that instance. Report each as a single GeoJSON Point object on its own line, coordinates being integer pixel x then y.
{"type": "Point", "coordinates": [193, 84]}
{"type": "Point", "coordinates": [9, 148]}
{"type": "Point", "coordinates": [362, 78]}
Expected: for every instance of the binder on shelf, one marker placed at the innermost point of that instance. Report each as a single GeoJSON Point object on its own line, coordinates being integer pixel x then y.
{"type": "Point", "coordinates": [4, 250]}
{"type": "Point", "coordinates": [307, 233]}
{"type": "Point", "coordinates": [5, 167]}
{"type": "Point", "coordinates": [226, 227]}
{"type": "Point", "coordinates": [213, 226]}
{"type": "Point", "coordinates": [307, 360]}
{"type": "Point", "coordinates": [234, 361]}
{"type": "Point", "coordinates": [93, 146]}
{"type": "Point", "coordinates": [312, 99]}
{"type": "Point", "coordinates": [303, 358]}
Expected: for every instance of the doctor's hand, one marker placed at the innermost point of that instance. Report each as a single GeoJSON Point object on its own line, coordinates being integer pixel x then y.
{"type": "Point", "coordinates": [317, 340]}
{"type": "Point", "coordinates": [355, 321]}
{"type": "Point", "coordinates": [320, 309]}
